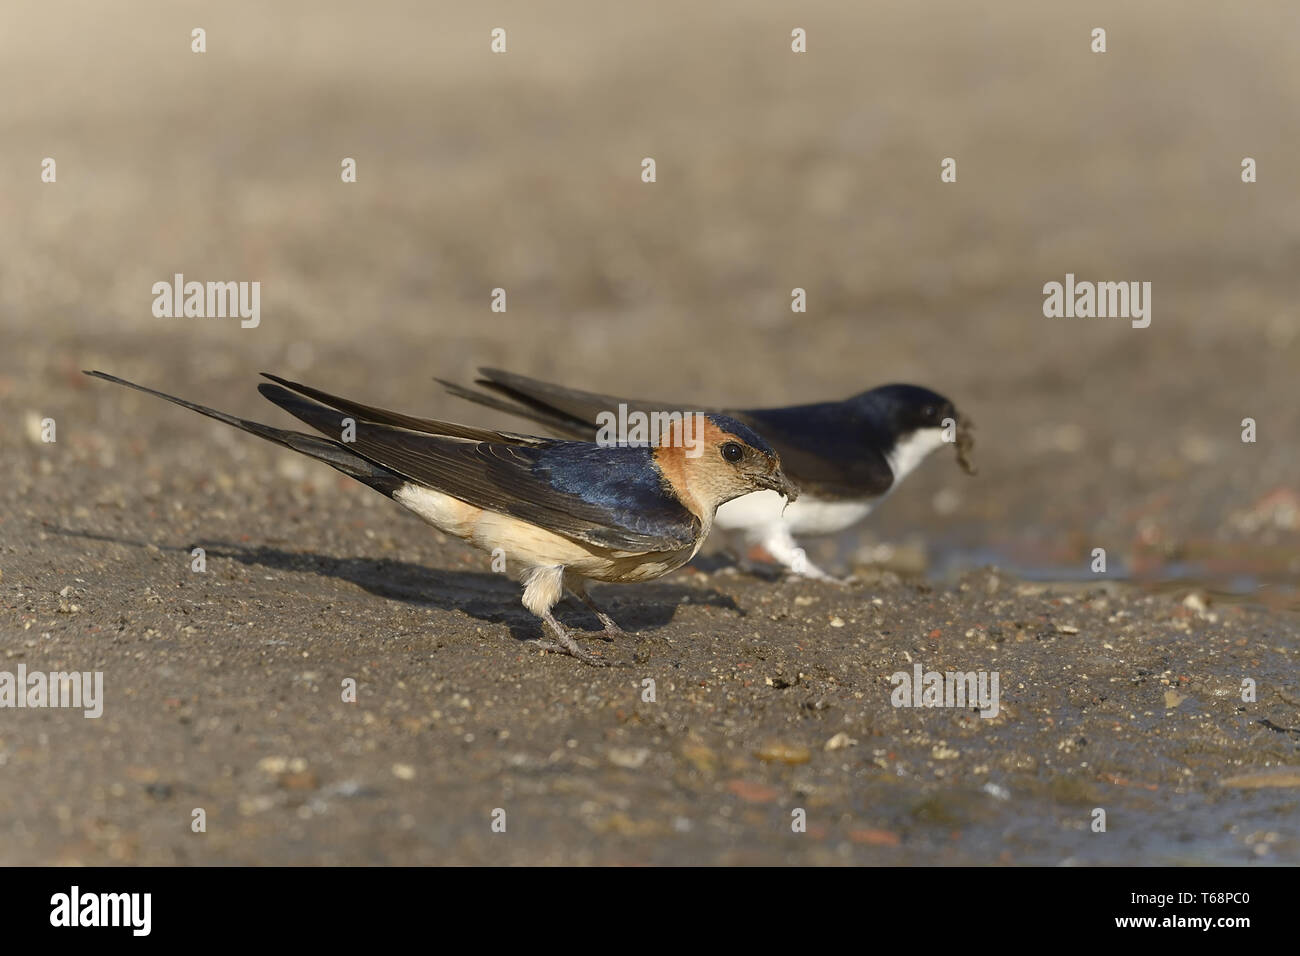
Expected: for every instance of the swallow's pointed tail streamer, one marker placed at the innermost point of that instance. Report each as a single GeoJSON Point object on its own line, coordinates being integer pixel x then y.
{"type": "Point", "coordinates": [322, 449]}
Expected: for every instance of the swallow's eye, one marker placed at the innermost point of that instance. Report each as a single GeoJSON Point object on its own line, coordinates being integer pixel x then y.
{"type": "Point", "coordinates": [732, 451]}
{"type": "Point", "coordinates": [929, 413]}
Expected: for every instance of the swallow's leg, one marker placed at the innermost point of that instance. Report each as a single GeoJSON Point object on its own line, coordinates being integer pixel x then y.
{"type": "Point", "coordinates": [565, 643]}
{"type": "Point", "coordinates": [780, 544]}
{"type": "Point", "coordinates": [579, 589]}
{"type": "Point", "coordinates": [543, 586]}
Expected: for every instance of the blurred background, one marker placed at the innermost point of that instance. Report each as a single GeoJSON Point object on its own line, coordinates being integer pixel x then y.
{"type": "Point", "coordinates": [775, 171]}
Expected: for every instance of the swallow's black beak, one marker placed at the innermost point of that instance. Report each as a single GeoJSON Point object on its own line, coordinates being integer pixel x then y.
{"type": "Point", "coordinates": [778, 482]}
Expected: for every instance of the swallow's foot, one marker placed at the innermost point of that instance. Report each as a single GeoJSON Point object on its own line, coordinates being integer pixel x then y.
{"type": "Point", "coordinates": [612, 630]}
{"type": "Point", "coordinates": [767, 570]}
{"type": "Point", "coordinates": [776, 545]}
{"type": "Point", "coordinates": [565, 644]}
{"type": "Point", "coordinates": [817, 574]}
{"type": "Point", "coordinates": [573, 650]}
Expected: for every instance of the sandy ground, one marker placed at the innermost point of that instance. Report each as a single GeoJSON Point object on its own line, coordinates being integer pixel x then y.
{"type": "Point", "coordinates": [1119, 691]}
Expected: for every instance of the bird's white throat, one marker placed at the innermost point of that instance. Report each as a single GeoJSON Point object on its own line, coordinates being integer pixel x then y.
{"type": "Point", "coordinates": [910, 450]}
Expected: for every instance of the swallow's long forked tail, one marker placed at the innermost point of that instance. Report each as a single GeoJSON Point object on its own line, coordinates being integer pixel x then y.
{"type": "Point", "coordinates": [333, 453]}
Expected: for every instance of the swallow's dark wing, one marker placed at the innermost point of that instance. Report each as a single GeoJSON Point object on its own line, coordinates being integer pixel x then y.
{"type": "Point", "coordinates": [826, 449]}
{"type": "Point", "coordinates": [566, 411]}
{"type": "Point", "coordinates": [609, 497]}
{"type": "Point", "coordinates": [383, 416]}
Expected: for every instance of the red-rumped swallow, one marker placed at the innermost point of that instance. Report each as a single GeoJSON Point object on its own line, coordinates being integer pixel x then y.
{"type": "Point", "coordinates": [561, 512]}
{"type": "Point", "coordinates": [845, 457]}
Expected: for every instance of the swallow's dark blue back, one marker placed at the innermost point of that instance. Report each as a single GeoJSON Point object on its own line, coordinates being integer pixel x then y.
{"type": "Point", "coordinates": [621, 481]}
{"type": "Point", "coordinates": [833, 449]}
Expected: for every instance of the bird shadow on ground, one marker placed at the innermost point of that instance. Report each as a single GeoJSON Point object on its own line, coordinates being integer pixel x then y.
{"type": "Point", "coordinates": [493, 598]}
